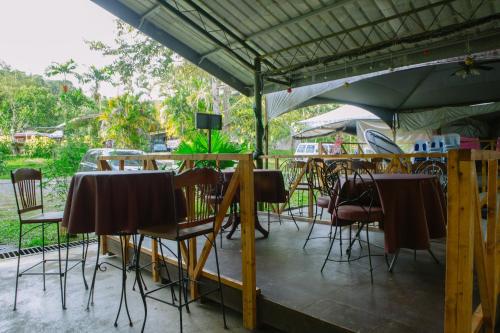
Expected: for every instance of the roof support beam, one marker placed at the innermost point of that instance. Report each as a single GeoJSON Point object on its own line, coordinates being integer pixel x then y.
{"type": "Point", "coordinates": [205, 33]}
{"type": "Point", "coordinates": [448, 30]}
{"type": "Point", "coordinates": [360, 27]}
{"type": "Point", "coordinates": [221, 26]}
{"type": "Point", "coordinates": [321, 9]}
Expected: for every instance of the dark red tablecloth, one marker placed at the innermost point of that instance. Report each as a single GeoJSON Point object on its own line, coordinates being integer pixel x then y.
{"type": "Point", "coordinates": [112, 202]}
{"type": "Point", "coordinates": [269, 185]}
{"type": "Point", "coordinates": [414, 210]}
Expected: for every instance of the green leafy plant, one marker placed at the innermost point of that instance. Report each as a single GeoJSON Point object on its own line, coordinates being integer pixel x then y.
{"type": "Point", "coordinates": [66, 160]}
{"type": "Point", "coordinates": [198, 143]}
{"type": "Point", "coordinates": [3, 167]}
{"type": "Point", "coordinates": [5, 145]}
{"type": "Point", "coordinates": [39, 147]}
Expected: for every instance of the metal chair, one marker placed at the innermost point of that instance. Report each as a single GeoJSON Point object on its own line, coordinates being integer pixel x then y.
{"type": "Point", "coordinates": [195, 216]}
{"type": "Point", "coordinates": [291, 171]}
{"type": "Point", "coordinates": [354, 196]}
{"type": "Point", "coordinates": [31, 212]}
{"type": "Point", "coordinates": [315, 182]}
{"type": "Point", "coordinates": [434, 168]}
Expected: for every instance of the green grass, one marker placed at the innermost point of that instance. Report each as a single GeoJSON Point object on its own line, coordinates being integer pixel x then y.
{"type": "Point", "coordinates": [9, 232]}
{"type": "Point", "coordinates": [16, 162]}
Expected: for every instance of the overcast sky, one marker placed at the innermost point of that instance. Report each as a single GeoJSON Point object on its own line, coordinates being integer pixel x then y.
{"type": "Point", "coordinates": [34, 33]}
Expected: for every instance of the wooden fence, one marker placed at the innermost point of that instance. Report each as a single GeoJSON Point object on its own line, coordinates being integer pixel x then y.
{"type": "Point", "coordinates": [467, 249]}
{"type": "Point", "coordinates": [242, 179]}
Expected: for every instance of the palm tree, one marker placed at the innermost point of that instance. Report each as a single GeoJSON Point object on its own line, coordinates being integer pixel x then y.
{"type": "Point", "coordinates": [64, 69]}
{"type": "Point", "coordinates": [95, 76]}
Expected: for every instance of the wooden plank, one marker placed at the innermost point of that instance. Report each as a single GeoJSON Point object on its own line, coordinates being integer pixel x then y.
{"type": "Point", "coordinates": [223, 208]}
{"type": "Point", "coordinates": [477, 320]}
{"type": "Point", "coordinates": [491, 235]}
{"type": "Point", "coordinates": [247, 207]}
{"type": "Point", "coordinates": [459, 246]}
{"type": "Point", "coordinates": [122, 165]}
{"type": "Point", "coordinates": [480, 264]}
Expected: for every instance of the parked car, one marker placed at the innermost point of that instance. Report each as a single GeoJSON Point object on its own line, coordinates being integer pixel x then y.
{"type": "Point", "coordinates": [90, 159]}
{"type": "Point", "coordinates": [160, 148]}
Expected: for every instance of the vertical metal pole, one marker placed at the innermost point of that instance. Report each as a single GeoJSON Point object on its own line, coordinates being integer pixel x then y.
{"type": "Point", "coordinates": [259, 127]}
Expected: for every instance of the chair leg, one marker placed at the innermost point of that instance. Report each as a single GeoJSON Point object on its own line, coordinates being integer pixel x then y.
{"type": "Point", "coordinates": [166, 268]}
{"type": "Point", "coordinates": [63, 294]}
{"type": "Point", "coordinates": [181, 283]}
{"type": "Point", "coordinates": [186, 281]}
{"type": "Point", "coordinates": [220, 284]}
{"type": "Point", "coordinates": [65, 266]}
{"type": "Point", "coordinates": [291, 214]}
{"type": "Point", "coordinates": [92, 284]}
{"type": "Point", "coordinates": [309, 235]}
{"type": "Point", "coordinates": [85, 249]}
{"type": "Point", "coordinates": [139, 281]}
{"type": "Point", "coordinates": [433, 256]}
{"type": "Point", "coordinates": [18, 262]}
{"type": "Point", "coordinates": [330, 249]}
{"type": "Point", "coordinates": [369, 253]}
{"type": "Point", "coordinates": [43, 255]}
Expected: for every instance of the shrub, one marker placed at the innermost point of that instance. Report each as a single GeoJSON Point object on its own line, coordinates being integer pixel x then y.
{"type": "Point", "coordinates": [5, 145]}
{"type": "Point", "coordinates": [3, 167]}
{"type": "Point", "coordinates": [220, 145]}
{"type": "Point", "coordinates": [65, 163]}
{"type": "Point", "coordinates": [39, 147]}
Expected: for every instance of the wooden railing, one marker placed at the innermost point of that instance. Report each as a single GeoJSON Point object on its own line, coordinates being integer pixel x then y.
{"type": "Point", "coordinates": [467, 249]}
{"type": "Point", "coordinates": [242, 179]}
{"type": "Point", "coordinates": [386, 163]}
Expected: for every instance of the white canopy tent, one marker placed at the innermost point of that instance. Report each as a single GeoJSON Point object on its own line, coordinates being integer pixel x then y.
{"type": "Point", "coordinates": [355, 121]}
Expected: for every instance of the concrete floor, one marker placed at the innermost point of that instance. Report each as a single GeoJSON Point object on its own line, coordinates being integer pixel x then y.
{"type": "Point", "coordinates": [39, 311]}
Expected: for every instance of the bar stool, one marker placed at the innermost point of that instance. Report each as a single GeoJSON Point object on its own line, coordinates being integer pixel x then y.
{"type": "Point", "coordinates": [195, 216]}
{"type": "Point", "coordinates": [31, 212]}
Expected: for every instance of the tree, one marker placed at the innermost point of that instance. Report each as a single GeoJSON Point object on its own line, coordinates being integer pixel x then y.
{"type": "Point", "coordinates": [95, 76]}
{"type": "Point", "coordinates": [140, 62]}
{"type": "Point", "coordinates": [127, 121]}
{"type": "Point", "coordinates": [64, 69]}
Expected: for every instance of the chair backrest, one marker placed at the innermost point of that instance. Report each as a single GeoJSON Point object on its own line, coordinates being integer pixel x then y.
{"type": "Point", "coordinates": [314, 172]}
{"type": "Point", "coordinates": [195, 190]}
{"type": "Point", "coordinates": [437, 144]}
{"type": "Point", "coordinates": [25, 182]}
{"type": "Point", "coordinates": [348, 186]}
{"type": "Point", "coordinates": [434, 168]}
{"type": "Point", "coordinates": [291, 169]}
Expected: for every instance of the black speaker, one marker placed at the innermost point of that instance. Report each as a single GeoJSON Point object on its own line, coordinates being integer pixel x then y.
{"type": "Point", "coordinates": [208, 121]}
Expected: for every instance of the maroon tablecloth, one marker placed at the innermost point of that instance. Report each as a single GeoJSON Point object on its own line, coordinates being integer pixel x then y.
{"type": "Point", "coordinates": [414, 210]}
{"type": "Point", "coordinates": [269, 185]}
{"type": "Point", "coordinates": [112, 202]}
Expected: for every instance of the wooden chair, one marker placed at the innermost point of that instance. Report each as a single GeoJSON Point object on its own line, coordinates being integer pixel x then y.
{"type": "Point", "coordinates": [354, 196]}
{"type": "Point", "coordinates": [195, 216]}
{"type": "Point", "coordinates": [30, 208]}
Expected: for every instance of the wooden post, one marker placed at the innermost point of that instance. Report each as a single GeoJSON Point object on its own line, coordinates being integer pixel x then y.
{"type": "Point", "coordinates": [248, 243]}
{"type": "Point", "coordinates": [491, 235]}
{"type": "Point", "coordinates": [459, 245]}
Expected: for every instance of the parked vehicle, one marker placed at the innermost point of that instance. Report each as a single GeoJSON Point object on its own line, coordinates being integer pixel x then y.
{"type": "Point", "coordinates": [160, 148]}
{"type": "Point", "coordinates": [90, 159]}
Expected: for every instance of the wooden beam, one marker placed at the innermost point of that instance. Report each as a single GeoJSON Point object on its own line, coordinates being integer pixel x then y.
{"type": "Point", "coordinates": [459, 246]}
{"type": "Point", "coordinates": [223, 207]}
{"type": "Point", "coordinates": [247, 207]}
{"type": "Point", "coordinates": [491, 235]}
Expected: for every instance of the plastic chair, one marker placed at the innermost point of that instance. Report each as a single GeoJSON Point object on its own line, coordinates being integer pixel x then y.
{"type": "Point", "coordinates": [451, 141]}
{"type": "Point", "coordinates": [421, 146]}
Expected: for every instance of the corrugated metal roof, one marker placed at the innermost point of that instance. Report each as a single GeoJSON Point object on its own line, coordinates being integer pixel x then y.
{"type": "Point", "coordinates": [311, 41]}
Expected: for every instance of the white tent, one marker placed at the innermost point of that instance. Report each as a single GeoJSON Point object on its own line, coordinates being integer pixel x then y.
{"type": "Point", "coordinates": [355, 121]}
